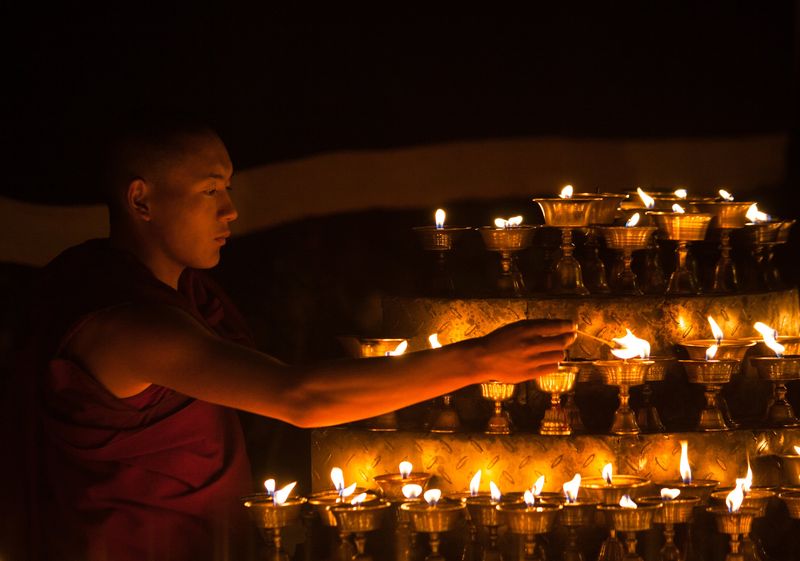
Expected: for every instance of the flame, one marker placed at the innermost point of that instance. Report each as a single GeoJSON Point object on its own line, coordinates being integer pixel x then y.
{"type": "Point", "coordinates": [748, 479]}
{"type": "Point", "coordinates": [608, 473]}
{"type": "Point", "coordinates": [269, 485]}
{"type": "Point", "coordinates": [734, 499]}
{"type": "Point", "coordinates": [439, 218]}
{"type": "Point", "coordinates": [347, 491]}
{"type": "Point", "coordinates": [433, 341]}
{"type": "Point", "coordinates": [627, 502]}
{"type": "Point", "coordinates": [797, 450]}
{"type": "Point", "coordinates": [770, 337]}
{"type": "Point", "coordinates": [572, 487]}
{"type": "Point", "coordinates": [399, 349]}
{"type": "Point", "coordinates": [632, 346]}
{"type": "Point", "coordinates": [412, 490]}
{"type": "Point", "coordinates": [670, 494]}
{"type": "Point", "coordinates": [633, 221]}
{"type": "Point", "coordinates": [475, 484]}
{"type": "Point", "coordinates": [538, 486]}
{"type": "Point", "coordinates": [711, 352]}
{"type": "Point", "coordinates": [512, 222]}
{"type": "Point", "coordinates": [725, 195]}
{"type": "Point", "coordinates": [649, 202]}
{"type": "Point", "coordinates": [681, 193]}
{"type": "Point", "coordinates": [281, 495]}
{"type": "Point", "coordinates": [358, 499]}
{"type": "Point", "coordinates": [495, 491]}
{"type": "Point", "coordinates": [566, 192]}
{"type": "Point", "coordinates": [754, 215]}
{"type": "Point", "coordinates": [678, 208]}
{"type": "Point", "coordinates": [337, 476]}
{"type": "Point", "coordinates": [432, 496]}
{"type": "Point", "coordinates": [686, 469]}
{"type": "Point", "coordinates": [716, 330]}
{"type": "Point", "coordinates": [530, 498]}
{"type": "Point", "coordinates": [405, 469]}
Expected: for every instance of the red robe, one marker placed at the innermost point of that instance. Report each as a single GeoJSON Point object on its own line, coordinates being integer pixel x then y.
{"type": "Point", "coordinates": [156, 476]}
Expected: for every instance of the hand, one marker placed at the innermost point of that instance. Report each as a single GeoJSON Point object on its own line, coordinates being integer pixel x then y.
{"type": "Point", "coordinates": [523, 350]}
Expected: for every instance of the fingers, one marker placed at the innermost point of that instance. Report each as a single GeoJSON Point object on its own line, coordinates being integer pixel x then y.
{"type": "Point", "coordinates": [544, 344]}
{"type": "Point", "coordinates": [542, 327]}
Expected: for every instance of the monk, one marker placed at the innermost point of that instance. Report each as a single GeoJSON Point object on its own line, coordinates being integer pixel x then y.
{"type": "Point", "coordinates": [137, 361]}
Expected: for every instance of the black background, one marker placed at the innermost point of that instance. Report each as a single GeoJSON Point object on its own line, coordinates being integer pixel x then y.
{"type": "Point", "coordinates": [280, 88]}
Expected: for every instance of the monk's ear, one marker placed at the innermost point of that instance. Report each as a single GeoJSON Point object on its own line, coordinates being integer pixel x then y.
{"type": "Point", "coordinates": [138, 199]}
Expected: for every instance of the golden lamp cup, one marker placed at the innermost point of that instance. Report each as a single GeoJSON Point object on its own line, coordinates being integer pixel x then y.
{"type": "Point", "coordinates": [792, 501]}
{"type": "Point", "coordinates": [623, 374]}
{"type": "Point", "coordinates": [734, 524]}
{"type": "Point", "coordinates": [508, 242]}
{"type": "Point", "coordinates": [630, 521]}
{"type": "Point", "coordinates": [779, 371]}
{"type": "Point", "coordinates": [674, 511]}
{"type": "Point", "coordinates": [700, 488]}
{"type": "Point", "coordinates": [682, 228]}
{"type": "Point", "coordinates": [359, 520]}
{"type": "Point", "coordinates": [441, 242]}
{"type": "Point", "coordinates": [434, 520]}
{"type": "Point", "coordinates": [324, 501]}
{"type": "Point", "coordinates": [270, 518]}
{"type": "Point", "coordinates": [728, 216]}
{"type": "Point", "coordinates": [391, 484]}
{"type": "Point", "coordinates": [712, 375]}
{"type": "Point", "coordinates": [756, 499]}
{"type": "Point", "coordinates": [601, 491]}
{"type": "Point", "coordinates": [627, 239]}
{"type": "Point", "coordinates": [530, 521]}
{"type": "Point", "coordinates": [556, 420]}
{"type": "Point", "coordinates": [498, 392]}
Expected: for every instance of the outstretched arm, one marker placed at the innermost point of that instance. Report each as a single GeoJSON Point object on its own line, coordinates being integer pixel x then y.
{"type": "Point", "coordinates": [127, 349]}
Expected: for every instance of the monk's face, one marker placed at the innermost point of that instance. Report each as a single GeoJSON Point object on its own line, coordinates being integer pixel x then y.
{"type": "Point", "coordinates": [190, 204]}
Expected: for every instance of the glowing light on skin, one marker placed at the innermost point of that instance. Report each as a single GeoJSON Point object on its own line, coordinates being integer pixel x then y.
{"type": "Point", "coordinates": [627, 502]}
{"type": "Point", "coordinates": [405, 469]}
{"type": "Point", "coordinates": [566, 192]}
{"type": "Point", "coordinates": [686, 469]}
{"type": "Point", "coordinates": [711, 352]}
{"type": "Point", "coordinates": [571, 488]}
{"type": "Point", "coordinates": [438, 218]}
{"type": "Point", "coordinates": [716, 330]}
{"type": "Point", "coordinates": [433, 341]}
{"type": "Point", "coordinates": [678, 208]}
{"type": "Point", "coordinates": [412, 491]}
{"type": "Point", "coordinates": [648, 201]}
{"type": "Point", "coordinates": [633, 221]}
{"type": "Point", "coordinates": [475, 484]}
{"type": "Point", "coordinates": [432, 496]}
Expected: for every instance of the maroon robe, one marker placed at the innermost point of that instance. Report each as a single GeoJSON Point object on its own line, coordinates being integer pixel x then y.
{"type": "Point", "coordinates": [156, 476]}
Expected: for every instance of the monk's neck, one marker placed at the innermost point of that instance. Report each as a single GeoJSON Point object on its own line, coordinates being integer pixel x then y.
{"type": "Point", "coordinates": [164, 269]}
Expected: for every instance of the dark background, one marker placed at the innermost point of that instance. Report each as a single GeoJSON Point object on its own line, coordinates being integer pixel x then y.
{"type": "Point", "coordinates": [278, 88]}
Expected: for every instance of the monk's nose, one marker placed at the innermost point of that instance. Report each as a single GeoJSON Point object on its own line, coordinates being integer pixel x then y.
{"type": "Point", "coordinates": [227, 210]}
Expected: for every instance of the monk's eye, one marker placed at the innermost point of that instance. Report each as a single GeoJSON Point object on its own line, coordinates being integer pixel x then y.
{"type": "Point", "coordinates": [211, 192]}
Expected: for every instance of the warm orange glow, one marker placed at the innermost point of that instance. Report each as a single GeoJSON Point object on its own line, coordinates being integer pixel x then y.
{"type": "Point", "coordinates": [633, 221]}
{"type": "Point", "coordinates": [572, 487]}
{"type": "Point", "coordinates": [686, 469]}
{"type": "Point", "coordinates": [670, 494]}
{"type": "Point", "coordinates": [349, 490]}
{"type": "Point", "coordinates": [405, 469]}
{"type": "Point", "coordinates": [566, 192]}
{"type": "Point", "coordinates": [754, 215]}
{"type": "Point", "coordinates": [770, 336]}
{"type": "Point", "coordinates": [538, 486]}
{"type": "Point", "coordinates": [647, 200]}
{"type": "Point", "coordinates": [439, 218]}
{"type": "Point", "coordinates": [678, 208]}
{"type": "Point", "coordinates": [608, 473]}
{"type": "Point", "coordinates": [632, 346]}
{"type": "Point", "coordinates": [412, 490]}
{"type": "Point", "coordinates": [282, 494]}
{"type": "Point", "coordinates": [627, 502]}
{"type": "Point", "coordinates": [432, 496]}
{"type": "Point", "coordinates": [433, 341]}
{"type": "Point", "coordinates": [716, 330]}
{"type": "Point", "coordinates": [797, 450]}
{"type": "Point", "coordinates": [475, 483]}
{"type": "Point", "coordinates": [512, 222]}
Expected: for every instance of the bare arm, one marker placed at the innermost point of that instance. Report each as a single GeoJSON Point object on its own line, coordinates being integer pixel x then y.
{"type": "Point", "coordinates": [127, 349]}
